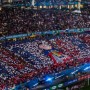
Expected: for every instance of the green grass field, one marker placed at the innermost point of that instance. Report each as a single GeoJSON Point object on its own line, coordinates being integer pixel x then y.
{"type": "Point", "coordinates": [85, 88]}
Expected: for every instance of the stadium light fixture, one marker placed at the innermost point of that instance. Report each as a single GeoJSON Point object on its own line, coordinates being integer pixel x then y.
{"type": "Point", "coordinates": [48, 79]}
{"type": "Point", "coordinates": [87, 68]}
{"type": "Point", "coordinates": [74, 72]}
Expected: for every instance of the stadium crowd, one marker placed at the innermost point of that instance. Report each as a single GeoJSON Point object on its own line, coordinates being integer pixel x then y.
{"type": "Point", "coordinates": [23, 60]}
{"type": "Point", "coordinates": [17, 21]}
{"type": "Point", "coordinates": [35, 63]}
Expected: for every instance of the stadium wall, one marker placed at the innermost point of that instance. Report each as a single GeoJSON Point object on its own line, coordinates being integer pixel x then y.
{"type": "Point", "coordinates": [46, 32]}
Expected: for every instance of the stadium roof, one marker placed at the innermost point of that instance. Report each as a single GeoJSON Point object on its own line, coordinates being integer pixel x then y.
{"type": "Point", "coordinates": [40, 2]}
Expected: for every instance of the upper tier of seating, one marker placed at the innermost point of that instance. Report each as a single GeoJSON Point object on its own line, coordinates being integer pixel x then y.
{"type": "Point", "coordinates": [51, 2]}
{"type": "Point", "coordinates": [17, 21]}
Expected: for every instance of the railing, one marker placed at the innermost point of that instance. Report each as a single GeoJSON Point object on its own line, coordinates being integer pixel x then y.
{"type": "Point", "coordinates": [45, 32]}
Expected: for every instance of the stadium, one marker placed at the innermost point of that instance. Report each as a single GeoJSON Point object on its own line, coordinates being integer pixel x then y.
{"type": "Point", "coordinates": [44, 45]}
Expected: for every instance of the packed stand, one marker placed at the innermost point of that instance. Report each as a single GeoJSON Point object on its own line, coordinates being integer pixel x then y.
{"type": "Point", "coordinates": [13, 69]}
{"type": "Point", "coordinates": [17, 21]}
{"type": "Point", "coordinates": [23, 60]}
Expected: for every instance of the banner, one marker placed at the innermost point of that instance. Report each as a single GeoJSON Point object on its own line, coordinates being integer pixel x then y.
{"type": "Point", "coordinates": [46, 32]}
